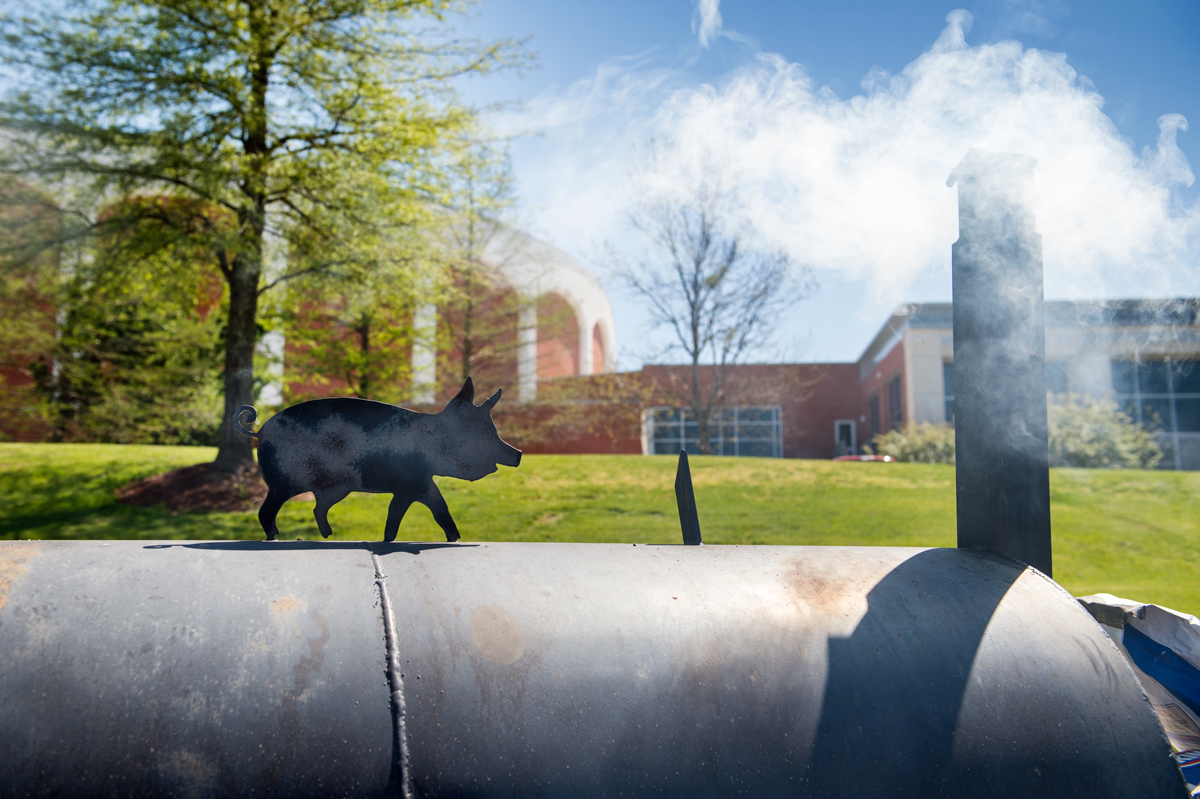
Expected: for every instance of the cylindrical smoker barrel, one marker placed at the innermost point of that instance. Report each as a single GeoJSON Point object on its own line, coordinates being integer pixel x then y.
{"type": "Point", "coordinates": [538, 670]}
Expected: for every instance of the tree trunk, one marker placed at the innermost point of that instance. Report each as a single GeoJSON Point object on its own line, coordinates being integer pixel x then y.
{"type": "Point", "coordinates": [364, 332]}
{"type": "Point", "coordinates": [235, 450]}
{"type": "Point", "coordinates": [700, 412]}
{"type": "Point", "coordinates": [467, 332]}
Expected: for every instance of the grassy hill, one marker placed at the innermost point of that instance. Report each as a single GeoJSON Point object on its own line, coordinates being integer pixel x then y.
{"type": "Point", "coordinates": [1130, 533]}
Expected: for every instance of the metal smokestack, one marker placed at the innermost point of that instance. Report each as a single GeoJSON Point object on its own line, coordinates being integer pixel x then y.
{"type": "Point", "coordinates": [1003, 476]}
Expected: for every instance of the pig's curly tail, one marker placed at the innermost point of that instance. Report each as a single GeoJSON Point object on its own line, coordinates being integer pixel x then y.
{"type": "Point", "coordinates": [237, 420]}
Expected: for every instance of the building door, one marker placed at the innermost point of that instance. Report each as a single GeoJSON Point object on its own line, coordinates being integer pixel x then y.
{"type": "Point", "coordinates": [844, 443]}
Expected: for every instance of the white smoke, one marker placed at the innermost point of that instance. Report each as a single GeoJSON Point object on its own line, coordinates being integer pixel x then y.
{"type": "Point", "coordinates": [706, 23]}
{"type": "Point", "coordinates": [857, 185]}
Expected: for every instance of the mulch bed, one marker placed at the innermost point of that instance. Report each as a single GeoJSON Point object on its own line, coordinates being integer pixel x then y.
{"type": "Point", "coordinates": [197, 488]}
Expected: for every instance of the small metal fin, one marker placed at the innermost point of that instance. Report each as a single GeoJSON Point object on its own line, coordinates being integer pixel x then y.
{"type": "Point", "coordinates": [686, 498]}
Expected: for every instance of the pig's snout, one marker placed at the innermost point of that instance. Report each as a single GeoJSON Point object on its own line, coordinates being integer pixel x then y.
{"type": "Point", "coordinates": [510, 456]}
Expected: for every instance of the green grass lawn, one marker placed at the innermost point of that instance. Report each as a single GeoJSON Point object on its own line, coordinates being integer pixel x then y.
{"type": "Point", "coordinates": [1129, 533]}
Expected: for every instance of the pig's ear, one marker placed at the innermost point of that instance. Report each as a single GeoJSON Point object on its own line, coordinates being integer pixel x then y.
{"type": "Point", "coordinates": [491, 401]}
{"type": "Point", "coordinates": [466, 394]}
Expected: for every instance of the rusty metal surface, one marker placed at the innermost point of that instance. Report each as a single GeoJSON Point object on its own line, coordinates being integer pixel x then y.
{"type": "Point", "coordinates": [128, 670]}
{"type": "Point", "coordinates": [339, 445]}
{"type": "Point", "coordinates": [559, 670]}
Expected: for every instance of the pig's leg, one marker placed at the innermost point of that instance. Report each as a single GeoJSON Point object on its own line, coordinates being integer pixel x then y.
{"type": "Point", "coordinates": [325, 501]}
{"type": "Point", "coordinates": [396, 509]}
{"type": "Point", "coordinates": [268, 512]}
{"type": "Point", "coordinates": [441, 514]}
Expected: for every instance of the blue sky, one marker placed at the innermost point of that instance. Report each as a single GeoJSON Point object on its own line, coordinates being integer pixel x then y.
{"type": "Point", "coordinates": [841, 120]}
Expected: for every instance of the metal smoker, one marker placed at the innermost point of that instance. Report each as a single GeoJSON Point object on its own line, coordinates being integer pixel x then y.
{"type": "Point", "coordinates": [573, 670]}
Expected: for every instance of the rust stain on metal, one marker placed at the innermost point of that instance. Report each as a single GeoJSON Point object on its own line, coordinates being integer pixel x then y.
{"type": "Point", "coordinates": [497, 636]}
{"type": "Point", "coordinates": [285, 604]}
{"type": "Point", "coordinates": [13, 560]}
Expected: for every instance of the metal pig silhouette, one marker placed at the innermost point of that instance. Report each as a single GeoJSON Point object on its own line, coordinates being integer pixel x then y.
{"type": "Point", "coordinates": [334, 446]}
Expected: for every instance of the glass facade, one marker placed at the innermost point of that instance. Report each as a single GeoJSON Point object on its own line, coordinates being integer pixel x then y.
{"type": "Point", "coordinates": [948, 390]}
{"type": "Point", "coordinates": [1162, 395]}
{"type": "Point", "coordinates": [895, 404]}
{"type": "Point", "coordinates": [747, 431]}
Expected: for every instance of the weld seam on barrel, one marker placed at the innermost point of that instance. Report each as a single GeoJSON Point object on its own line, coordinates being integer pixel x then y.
{"type": "Point", "coordinates": [399, 777]}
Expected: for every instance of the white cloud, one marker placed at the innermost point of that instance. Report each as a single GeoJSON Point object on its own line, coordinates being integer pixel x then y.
{"type": "Point", "coordinates": [857, 185]}
{"type": "Point", "coordinates": [706, 22]}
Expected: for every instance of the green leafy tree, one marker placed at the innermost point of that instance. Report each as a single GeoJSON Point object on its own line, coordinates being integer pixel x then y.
{"type": "Point", "coordinates": [137, 347]}
{"type": "Point", "coordinates": [1093, 433]}
{"type": "Point", "coordinates": [1083, 432]}
{"type": "Point", "coordinates": [920, 443]}
{"type": "Point", "coordinates": [28, 281]}
{"type": "Point", "coordinates": [324, 123]}
{"type": "Point", "coordinates": [358, 335]}
{"type": "Point", "coordinates": [478, 332]}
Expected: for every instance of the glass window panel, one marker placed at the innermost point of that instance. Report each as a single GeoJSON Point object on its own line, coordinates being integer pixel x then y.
{"type": "Point", "coordinates": [757, 431]}
{"type": "Point", "coordinates": [1122, 377]}
{"type": "Point", "coordinates": [1152, 377]}
{"type": "Point", "coordinates": [757, 449]}
{"type": "Point", "coordinates": [948, 378]}
{"type": "Point", "coordinates": [950, 411]}
{"type": "Point", "coordinates": [1187, 377]}
{"type": "Point", "coordinates": [1129, 406]}
{"type": "Point", "coordinates": [661, 433]}
{"type": "Point", "coordinates": [1156, 414]}
{"type": "Point", "coordinates": [1187, 415]}
{"type": "Point", "coordinates": [844, 433]}
{"type": "Point", "coordinates": [731, 430]}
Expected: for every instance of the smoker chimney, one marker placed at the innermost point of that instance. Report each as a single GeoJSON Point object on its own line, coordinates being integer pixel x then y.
{"type": "Point", "coordinates": [1003, 476]}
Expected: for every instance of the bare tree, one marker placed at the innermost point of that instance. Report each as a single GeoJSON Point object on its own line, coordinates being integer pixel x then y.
{"type": "Point", "coordinates": [719, 294]}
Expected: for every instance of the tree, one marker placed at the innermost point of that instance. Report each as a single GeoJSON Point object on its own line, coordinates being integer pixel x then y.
{"type": "Point", "coordinates": [119, 341]}
{"type": "Point", "coordinates": [478, 334]}
{"type": "Point", "coordinates": [1091, 433]}
{"type": "Point", "coordinates": [717, 292]}
{"type": "Point", "coordinates": [359, 334]}
{"type": "Point", "coordinates": [919, 443]}
{"type": "Point", "coordinates": [28, 277]}
{"type": "Point", "coordinates": [322, 122]}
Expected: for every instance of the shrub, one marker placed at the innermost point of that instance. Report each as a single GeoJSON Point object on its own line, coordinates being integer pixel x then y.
{"type": "Point", "coordinates": [922, 443]}
{"type": "Point", "coordinates": [1092, 433]}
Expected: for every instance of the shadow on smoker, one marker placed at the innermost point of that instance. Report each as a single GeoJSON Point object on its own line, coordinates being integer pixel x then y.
{"type": "Point", "coordinates": [896, 684]}
{"type": "Point", "coordinates": [375, 548]}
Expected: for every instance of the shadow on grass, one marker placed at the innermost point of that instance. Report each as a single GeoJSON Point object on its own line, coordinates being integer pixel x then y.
{"type": "Point", "coordinates": [122, 522]}
{"type": "Point", "coordinates": [407, 547]}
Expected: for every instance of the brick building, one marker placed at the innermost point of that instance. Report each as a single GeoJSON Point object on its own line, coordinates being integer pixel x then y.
{"type": "Point", "coordinates": [1144, 354]}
